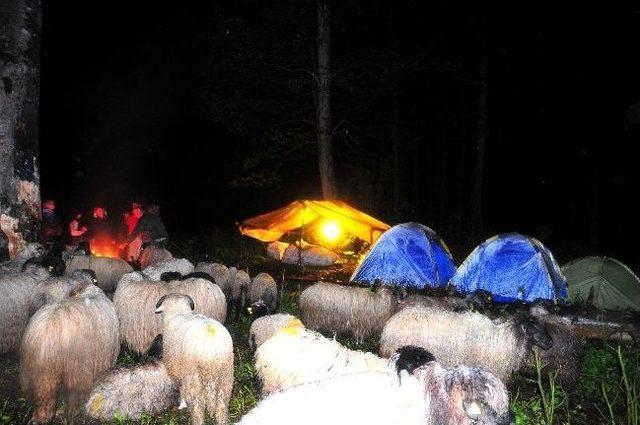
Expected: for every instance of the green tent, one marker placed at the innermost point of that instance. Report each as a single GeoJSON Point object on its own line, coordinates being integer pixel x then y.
{"type": "Point", "coordinates": [614, 285]}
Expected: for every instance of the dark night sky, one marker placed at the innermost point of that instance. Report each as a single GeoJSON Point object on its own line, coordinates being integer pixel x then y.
{"type": "Point", "coordinates": [122, 114]}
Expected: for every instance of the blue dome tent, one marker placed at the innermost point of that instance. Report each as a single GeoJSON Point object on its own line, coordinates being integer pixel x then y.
{"type": "Point", "coordinates": [408, 254]}
{"type": "Point", "coordinates": [512, 267]}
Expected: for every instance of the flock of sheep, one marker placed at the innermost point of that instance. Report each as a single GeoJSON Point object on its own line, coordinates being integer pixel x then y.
{"type": "Point", "coordinates": [440, 362]}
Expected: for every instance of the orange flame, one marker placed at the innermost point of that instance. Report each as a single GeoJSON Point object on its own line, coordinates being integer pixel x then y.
{"type": "Point", "coordinates": [104, 247]}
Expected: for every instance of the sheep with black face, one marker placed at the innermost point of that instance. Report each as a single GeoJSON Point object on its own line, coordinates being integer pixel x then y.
{"type": "Point", "coordinates": [263, 287]}
{"type": "Point", "coordinates": [265, 325]}
{"type": "Point", "coordinates": [466, 338]}
{"type": "Point", "coordinates": [425, 395]}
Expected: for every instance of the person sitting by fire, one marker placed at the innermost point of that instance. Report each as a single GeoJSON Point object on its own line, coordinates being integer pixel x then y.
{"type": "Point", "coordinates": [51, 224]}
{"type": "Point", "coordinates": [77, 231]}
{"type": "Point", "coordinates": [131, 217]}
{"type": "Point", "coordinates": [150, 227]}
{"type": "Point", "coordinates": [100, 234]}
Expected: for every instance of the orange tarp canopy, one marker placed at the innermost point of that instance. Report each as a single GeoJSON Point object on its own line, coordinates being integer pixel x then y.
{"type": "Point", "coordinates": [271, 226]}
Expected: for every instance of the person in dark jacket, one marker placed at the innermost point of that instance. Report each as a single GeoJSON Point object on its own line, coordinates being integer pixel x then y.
{"type": "Point", "coordinates": [151, 228]}
{"type": "Point", "coordinates": [51, 224]}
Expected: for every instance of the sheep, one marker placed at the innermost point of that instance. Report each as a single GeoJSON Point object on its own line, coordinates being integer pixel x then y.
{"type": "Point", "coordinates": [478, 301]}
{"type": "Point", "coordinates": [263, 287]}
{"type": "Point", "coordinates": [220, 273]}
{"type": "Point", "coordinates": [67, 345]}
{"type": "Point", "coordinates": [428, 395]}
{"type": "Point", "coordinates": [135, 302]}
{"type": "Point", "coordinates": [16, 297]}
{"type": "Point", "coordinates": [56, 289]}
{"type": "Point", "coordinates": [32, 250]}
{"type": "Point", "coordinates": [198, 353]}
{"type": "Point", "coordinates": [465, 338]}
{"type": "Point", "coordinates": [239, 283]}
{"type": "Point", "coordinates": [180, 265]}
{"type": "Point", "coordinates": [108, 271]}
{"type": "Point", "coordinates": [346, 310]}
{"type": "Point", "coordinates": [146, 388]}
{"type": "Point", "coordinates": [295, 355]}
{"type": "Point", "coordinates": [564, 358]}
{"type": "Point", "coordinates": [151, 255]}
{"type": "Point", "coordinates": [264, 324]}
{"type": "Point", "coordinates": [24, 293]}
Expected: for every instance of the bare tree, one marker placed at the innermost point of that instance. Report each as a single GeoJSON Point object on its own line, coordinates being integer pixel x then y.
{"type": "Point", "coordinates": [323, 103]}
{"type": "Point", "coordinates": [20, 22]}
{"type": "Point", "coordinates": [479, 142]}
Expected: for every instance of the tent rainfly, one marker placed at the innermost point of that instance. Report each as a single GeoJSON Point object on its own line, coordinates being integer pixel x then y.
{"type": "Point", "coordinates": [513, 268]}
{"type": "Point", "coordinates": [271, 226]}
{"type": "Point", "coordinates": [606, 283]}
{"type": "Point", "coordinates": [409, 254]}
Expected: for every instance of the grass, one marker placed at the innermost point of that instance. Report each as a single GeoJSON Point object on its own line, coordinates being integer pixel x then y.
{"type": "Point", "coordinates": [607, 393]}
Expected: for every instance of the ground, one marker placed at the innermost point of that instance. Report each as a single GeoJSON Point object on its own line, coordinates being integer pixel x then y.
{"type": "Point", "coordinates": [602, 393]}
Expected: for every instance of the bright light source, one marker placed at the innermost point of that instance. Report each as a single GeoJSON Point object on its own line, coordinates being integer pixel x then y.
{"type": "Point", "coordinates": [330, 230]}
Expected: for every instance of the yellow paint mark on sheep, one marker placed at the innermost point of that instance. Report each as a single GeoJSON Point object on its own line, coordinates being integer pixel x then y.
{"type": "Point", "coordinates": [294, 323]}
{"type": "Point", "coordinates": [95, 407]}
{"type": "Point", "coordinates": [291, 330]}
{"type": "Point", "coordinates": [210, 330]}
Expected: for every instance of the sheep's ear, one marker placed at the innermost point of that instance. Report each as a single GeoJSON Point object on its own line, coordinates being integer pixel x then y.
{"type": "Point", "coordinates": [159, 308]}
{"type": "Point", "coordinates": [191, 303]}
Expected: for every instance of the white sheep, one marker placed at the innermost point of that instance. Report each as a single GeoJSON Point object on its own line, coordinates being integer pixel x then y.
{"type": "Point", "coordinates": [426, 395]}
{"type": "Point", "coordinates": [198, 353]}
{"type": "Point", "coordinates": [295, 355]}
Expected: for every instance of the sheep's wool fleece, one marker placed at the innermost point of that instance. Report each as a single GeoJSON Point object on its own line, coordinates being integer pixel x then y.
{"type": "Point", "coordinates": [180, 265]}
{"type": "Point", "coordinates": [265, 327]}
{"type": "Point", "coordinates": [16, 293]}
{"type": "Point", "coordinates": [352, 310]}
{"type": "Point", "coordinates": [152, 255]}
{"type": "Point", "coordinates": [136, 300]}
{"type": "Point", "coordinates": [456, 338]}
{"type": "Point", "coordinates": [360, 398]}
{"type": "Point", "coordinates": [68, 344]}
{"type": "Point", "coordinates": [219, 272]}
{"type": "Point", "coordinates": [297, 355]}
{"type": "Point", "coordinates": [108, 271]}
{"type": "Point", "coordinates": [198, 352]}
{"type": "Point", "coordinates": [145, 388]}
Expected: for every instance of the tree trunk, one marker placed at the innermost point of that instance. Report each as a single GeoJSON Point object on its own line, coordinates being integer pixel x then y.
{"type": "Point", "coordinates": [20, 22]}
{"type": "Point", "coordinates": [479, 144]}
{"type": "Point", "coordinates": [323, 106]}
{"type": "Point", "coordinates": [395, 144]}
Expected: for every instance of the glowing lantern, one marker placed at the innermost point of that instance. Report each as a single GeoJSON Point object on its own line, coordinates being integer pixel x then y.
{"type": "Point", "coordinates": [330, 231]}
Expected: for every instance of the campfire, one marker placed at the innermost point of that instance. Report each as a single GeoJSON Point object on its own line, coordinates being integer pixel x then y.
{"type": "Point", "coordinates": [104, 246]}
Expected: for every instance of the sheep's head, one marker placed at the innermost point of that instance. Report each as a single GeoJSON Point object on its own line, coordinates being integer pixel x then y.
{"type": "Point", "coordinates": [199, 275]}
{"type": "Point", "coordinates": [481, 300]}
{"type": "Point", "coordinates": [258, 309]}
{"type": "Point", "coordinates": [32, 250]}
{"type": "Point", "coordinates": [409, 358]}
{"type": "Point", "coordinates": [84, 276]}
{"type": "Point", "coordinates": [173, 304]}
{"type": "Point", "coordinates": [464, 396]}
{"type": "Point", "coordinates": [169, 276]}
{"type": "Point", "coordinates": [535, 332]}
{"type": "Point", "coordinates": [85, 290]}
